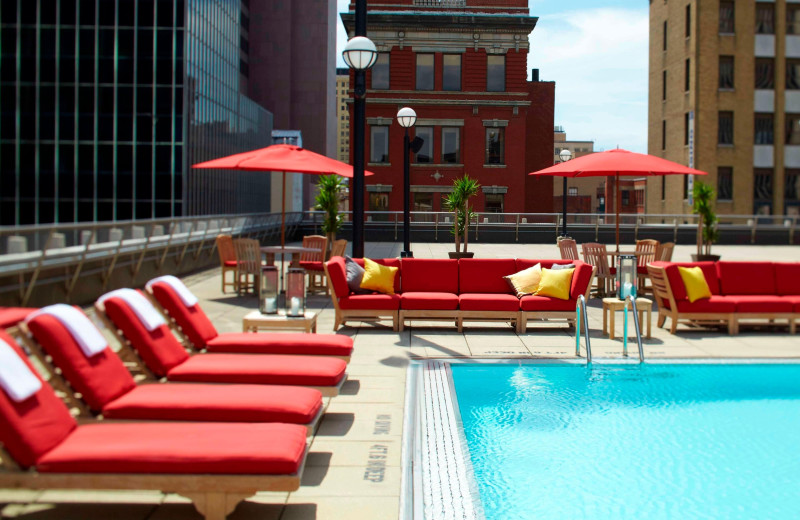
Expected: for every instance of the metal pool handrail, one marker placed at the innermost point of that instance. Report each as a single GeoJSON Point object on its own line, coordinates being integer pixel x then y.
{"type": "Point", "coordinates": [632, 300]}
{"type": "Point", "coordinates": [581, 304]}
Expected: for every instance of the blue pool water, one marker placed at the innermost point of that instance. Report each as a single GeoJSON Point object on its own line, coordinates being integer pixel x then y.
{"type": "Point", "coordinates": [633, 441]}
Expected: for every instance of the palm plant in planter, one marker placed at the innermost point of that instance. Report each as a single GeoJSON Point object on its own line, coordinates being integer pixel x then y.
{"type": "Point", "coordinates": [704, 197]}
{"type": "Point", "coordinates": [457, 201]}
{"type": "Point", "coordinates": [328, 199]}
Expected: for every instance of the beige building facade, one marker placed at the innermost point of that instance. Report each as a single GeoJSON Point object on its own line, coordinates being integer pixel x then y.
{"type": "Point", "coordinates": [724, 97]}
{"type": "Point", "coordinates": [342, 115]}
{"type": "Point", "coordinates": [577, 186]}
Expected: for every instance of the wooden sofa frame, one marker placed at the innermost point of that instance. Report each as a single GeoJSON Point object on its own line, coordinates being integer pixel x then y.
{"type": "Point", "coordinates": [342, 316]}
{"type": "Point", "coordinates": [570, 316]}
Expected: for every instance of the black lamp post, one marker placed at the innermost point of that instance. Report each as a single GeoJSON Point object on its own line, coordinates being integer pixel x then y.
{"type": "Point", "coordinates": [565, 155]}
{"type": "Point", "coordinates": [406, 117]}
{"type": "Point", "coordinates": [359, 54]}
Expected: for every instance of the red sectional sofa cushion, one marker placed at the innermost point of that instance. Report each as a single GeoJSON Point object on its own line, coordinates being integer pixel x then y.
{"type": "Point", "coordinates": [290, 343]}
{"type": "Point", "coordinates": [761, 303]}
{"type": "Point", "coordinates": [32, 427]}
{"type": "Point", "coordinates": [192, 320]}
{"type": "Point", "coordinates": [545, 303]}
{"type": "Point", "coordinates": [218, 448]}
{"type": "Point", "coordinates": [438, 301]}
{"type": "Point", "coordinates": [338, 275]}
{"type": "Point", "coordinates": [485, 275]}
{"type": "Point", "coordinates": [746, 277]}
{"type": "Point", "coordinates": [259, 369]}
{"type": "Point", "coordinates": [715, 304]}
{"type": "Point", "coordinates": [389, 262]}
{"type": "Point", "coordinates": [676, 282]}
{"type": "Point", "coordinates": [378, 302]}
{"type": "Point", "coordinates": [787, 278]}
{"type": "Point", "coordinates": [795, 301]}
{"type": "Point", "coordinates": [488, 302]}
{"type": "Point", "coordinates": [426, 275]}
{"type": "Point", "coordinates": [581, 278]}
{"type": "Point", "coordinates": [231, 403]}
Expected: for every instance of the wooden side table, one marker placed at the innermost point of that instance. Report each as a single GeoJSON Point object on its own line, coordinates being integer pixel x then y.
{"type": "Point", "coordinates": [254, 321]}
{"type": "Point", "coordinates": [612, 305]}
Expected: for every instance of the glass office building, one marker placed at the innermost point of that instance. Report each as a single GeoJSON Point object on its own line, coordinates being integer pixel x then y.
{"type": "Point", "coordinates": [105, 104]}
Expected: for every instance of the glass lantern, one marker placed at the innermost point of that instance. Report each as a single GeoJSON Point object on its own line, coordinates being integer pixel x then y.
{"type": "Point", "coordinates": [268, 290]}
{"type": "Point", "coordinates": [626, 276]}
{"type": "Point", "coordinates": [295, 292]}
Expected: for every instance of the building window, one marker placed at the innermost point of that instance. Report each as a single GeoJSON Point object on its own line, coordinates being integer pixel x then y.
{"type": "Point", "coordinates": [725, 72]}
{"type": "Point", "coordinates": [725, 130]}
{"type": "Point", "coordinates": [425, 154]}
{"type": "Point", "coordinates": [765, 18]}
{"type": "Point", "coordinates": [494, 203]}
{"type": "Point", "coordinates": [664, 44]}
{"type": "Point", "coordinates": [424, 71]}
{"type": "Point", "coordinates": [572, 192]}
{"type": "Point", "coordinates": [380, 72]}
{"type": "Point", "coordinates": [792, 74]}
{"type": "Point", "coordinates": [726, 17]}
{"type": "Point", "coordinates": [762, 191]}
{"type": "Point", "coordinates": [791, 189]}
{"type": "Point", "coordinates": [495, 73]}
{"type": "Point", "coordinates": [626, 197]}
{"type": "Point", "coordinates": [423, 202]}
{"type": "Point", "coordinates": [687, 75]}
{"type": "Point", "coordinates": [451, 72]}
{"type": "Point", "coordinates": [663, 134]}
{"type": "Point", "coordinates": [664, 86]}
{"type": "Point", "coordinates": [451, 145]}
{"type": "Point", "coordinates": [792, 128]}
{"type": "Point", "coordinates": [725, 183]}
{"type": "Point", "coordinates": [379, 144]}
{"type": "Point", "coordinates": [685, 187]}
{"type": "Point", "coordinates": [495, 146]}
{"type": "Point", "coordinates": [792, 18]}
{"type": "Point", "coordinates": [378, 202]}
{"type": "Point", "coordinates": [764, 131]}
{"type": "Point", "coordinates": [688, 20]}
{"type": "Point", "coordinates": [765, 73]}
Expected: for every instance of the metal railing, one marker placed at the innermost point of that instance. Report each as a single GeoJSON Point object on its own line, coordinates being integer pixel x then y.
{"type": "Point", "coordinates": [580, 312]}
{"type": "Point", "coordinates": [631, 299]}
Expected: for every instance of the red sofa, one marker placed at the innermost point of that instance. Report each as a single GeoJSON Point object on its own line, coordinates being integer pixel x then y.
{"type": "Point", "coordinates": [740, 291]}
{"type": "Point", "coordinates": [453, 290]}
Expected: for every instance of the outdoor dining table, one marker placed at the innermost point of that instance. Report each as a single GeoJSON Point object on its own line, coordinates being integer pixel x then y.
{"type": "Point", "coordinates": [294, 253]}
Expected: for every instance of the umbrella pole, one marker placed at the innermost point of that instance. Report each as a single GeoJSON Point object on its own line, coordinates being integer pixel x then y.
{"type": "Point", "coordinates": [617, 203]}
{"type": "Point", "coordinates": [283, 226]}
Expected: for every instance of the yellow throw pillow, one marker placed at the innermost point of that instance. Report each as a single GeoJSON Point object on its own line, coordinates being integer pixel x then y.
{"type": "Point", "coordinates": [525, 281]}
{"type": "Point", "coordinates": [695, 282]}
{"type": "Point", "coordinates": [378, 277]}
{"type": "Point", "coordinates": [555, 283]}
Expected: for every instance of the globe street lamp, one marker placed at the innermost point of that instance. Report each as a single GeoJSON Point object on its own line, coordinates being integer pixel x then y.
{"type": "Point", "coordinates": [359, 54]}
{"type": "Point", "coordinates": [565, 155]}
{"type": "Point", "coordinates": [406, 117]}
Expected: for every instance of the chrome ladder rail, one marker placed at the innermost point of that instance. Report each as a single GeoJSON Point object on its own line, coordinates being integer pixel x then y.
{"type": "Point", "coordinates": [581, 304]}
{"type": "Point", "coordinates": [632, 300]}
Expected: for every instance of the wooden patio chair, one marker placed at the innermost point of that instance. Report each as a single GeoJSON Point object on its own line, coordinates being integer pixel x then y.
{"type": "Point", "coordinates": [597, 255]}
{"type": "Point", "coordinates": [338, 248]}
{"type": "Point", "coordinates": [227, 261]}
{"type": "Point", "coordinates": [645, 253]}
{"type": "Point", "coordinates": [312, 262]}
{"type": "Point", "coordinates": [248, 254]}
{"type": "Point", "coordinates": [568, 248]}
{"type": "Point", "coordinates": [665, 250]}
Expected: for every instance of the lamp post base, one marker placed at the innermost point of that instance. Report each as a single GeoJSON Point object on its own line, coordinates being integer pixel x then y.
{"type": "Point", "coordinates": [406, 254]}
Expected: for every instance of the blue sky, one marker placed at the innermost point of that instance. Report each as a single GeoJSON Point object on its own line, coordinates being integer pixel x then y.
{"type": "Point", "coordinates": [596, 52]}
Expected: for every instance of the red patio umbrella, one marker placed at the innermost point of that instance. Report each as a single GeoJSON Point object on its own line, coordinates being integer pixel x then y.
{"type": "Point", "coordinates": [617, 163]}
{"type": "Point", "coordinates": [282, 158]}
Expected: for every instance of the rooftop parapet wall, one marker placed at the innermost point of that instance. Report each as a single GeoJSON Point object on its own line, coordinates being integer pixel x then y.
{"type": "Point", "coordinates": [467, 6]}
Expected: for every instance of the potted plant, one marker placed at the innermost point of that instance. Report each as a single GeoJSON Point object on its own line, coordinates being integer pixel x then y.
{"type": "Point", "coordinates": [328, 199]}
{"type": "Point", "coordinates": [457, 201]}
{"type": "Point", "coordinates": [707, 232]}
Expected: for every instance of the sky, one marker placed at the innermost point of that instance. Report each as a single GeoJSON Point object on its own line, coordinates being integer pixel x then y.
{"type": "Point", "coordinates": [596, 52]}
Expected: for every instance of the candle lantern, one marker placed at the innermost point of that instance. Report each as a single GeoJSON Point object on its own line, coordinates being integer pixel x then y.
{"type": "Point", "coordinates": [268, 290]}
{"type": "Point", "coordinates": [296, 292]}
{"type": "Point", "coordinates": [626, 276]}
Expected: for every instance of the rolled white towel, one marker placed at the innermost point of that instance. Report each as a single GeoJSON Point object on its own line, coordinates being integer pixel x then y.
{"type": "Point", "coordinates": [79, 326]}
{"type": "Point", "coordinates": [15, 377]}
{"type": "Point", "coordinates": [186, 296]}
{"type": "Point", "coordinates": [144, 310]}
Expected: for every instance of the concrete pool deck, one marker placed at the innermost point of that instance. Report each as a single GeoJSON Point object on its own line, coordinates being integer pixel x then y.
{"type": "Point", "coordinates": [354, 467]}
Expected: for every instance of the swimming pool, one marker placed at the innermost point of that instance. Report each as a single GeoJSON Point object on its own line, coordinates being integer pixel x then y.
{"type": "Point", "coordinates": [631, 441]}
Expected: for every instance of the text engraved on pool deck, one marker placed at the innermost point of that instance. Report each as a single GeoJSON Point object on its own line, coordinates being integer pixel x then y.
{"type": "Point", "coordinates": [383, 424]}
{"type": "Point", "coordinates": [376, 463]}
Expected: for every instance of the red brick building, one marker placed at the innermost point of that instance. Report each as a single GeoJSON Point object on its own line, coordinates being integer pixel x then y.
{"type": "Point", "coordinates": [462, 66]}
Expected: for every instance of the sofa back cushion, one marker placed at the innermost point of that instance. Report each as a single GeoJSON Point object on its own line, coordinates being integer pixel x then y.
{"type": "Point", "coordinates": [430, 275]}
{"type": "Point", "coordinates": [787, 277]}
{"type": "Point", "coordinates": [485, 275]}
{"type": "Point", "coordinates": [581, 278]}
{"type": "Point", "coordinates": [746, 277]}
{"type": "Point", "coordinates": [676, 282]}
{"type": "Point", "coordinates": [389, 262]}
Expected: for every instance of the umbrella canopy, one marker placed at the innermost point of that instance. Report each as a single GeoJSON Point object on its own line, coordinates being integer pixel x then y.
{"type": "Point", "coordinates": [617, 163]}
{"type": "Point", "coordinates": [282, 158]}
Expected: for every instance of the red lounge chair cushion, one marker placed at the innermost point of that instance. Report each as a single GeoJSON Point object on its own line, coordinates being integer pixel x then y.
{"type": "Point", "coordinates": [375, 302]}
{"type": "Point", "coordinates": [265, 343]}
{"type": "Point", "coordinates": [30, 428]}
{"type": "Point", "coordinates": [746, 278]}
{"type": "Point", "coordinates": [168, 448]}
{"type": "Point", "coordinates": [311, 266]}
{"type": "Point", "coordinates": [545, 303]}
{"type": "Point", "coordinates": [761, 303]}
{"type": "Point", "coordinates": [10, 316]}
{"type": "Point", "coordinates": [338, 277]}
{"type": "Point", "coordinates": [787, 278]}
{"type": "Point", "coordinates": [715, 304]}
{"type": "Point", "coordinates": [192, 320]}
{"type": "Point", "coordinates": [488, 302]}
{"type": "Point", "coordinates": [231, 403]}
{"type": "Point", "coordinates": [481, 275]}
{"type": "Point", "coordinates": [259, 369]}
{"type": "Point", "coordinates": [100, 379]}
{"type": "Point", "coordinates": [428, 275]}
{"type": "Point", "coordinates": [159, 349]}
{"type": "Point", "coordinates": [389, 262]}
{"type": "Point", "coordinates": [439, 301]}
{"type": "Point", "coordinates": [676, 282]}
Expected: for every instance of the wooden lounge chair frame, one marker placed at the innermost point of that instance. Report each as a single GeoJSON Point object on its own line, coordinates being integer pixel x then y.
{"type": "Point", "coordinates": [570, 316]}
{"type": "Point", "coordinates": [342, 316]}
